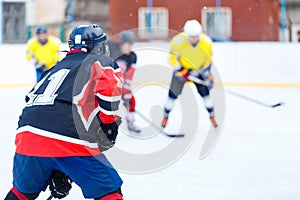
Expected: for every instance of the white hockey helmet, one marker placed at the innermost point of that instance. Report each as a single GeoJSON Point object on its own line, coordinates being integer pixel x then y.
{"type": "Point", "coordinates": [192, 27]}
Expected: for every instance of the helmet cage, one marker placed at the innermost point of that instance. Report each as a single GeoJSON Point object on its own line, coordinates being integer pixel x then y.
{"type": "Point", "coordinates": [101, 48]}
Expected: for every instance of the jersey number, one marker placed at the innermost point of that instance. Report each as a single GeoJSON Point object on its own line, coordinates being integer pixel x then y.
{"type": "Point", "coordinates": [49, 94]}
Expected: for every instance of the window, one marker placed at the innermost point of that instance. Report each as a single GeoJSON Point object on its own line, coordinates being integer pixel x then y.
{"type": "Point", "coordinates": [217, 23]}
{"type": "Point", "coordinates": [153, 24]}
{"type": "Point", "coordinates": [14, 27]}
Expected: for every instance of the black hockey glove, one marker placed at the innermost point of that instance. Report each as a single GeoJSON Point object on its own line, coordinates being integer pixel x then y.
{"type": "Point", "coordinates": [107, 134]}
{"type": "Point", "coordinates": [59, 184]}
{"type": "Point", "coordinates": [208, 77]}
{"type": "Point", "coordinates": [210, 81]}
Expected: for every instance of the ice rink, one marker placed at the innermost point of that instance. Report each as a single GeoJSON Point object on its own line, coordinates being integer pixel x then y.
{"type": "Point", "coordinates": [257, 151]}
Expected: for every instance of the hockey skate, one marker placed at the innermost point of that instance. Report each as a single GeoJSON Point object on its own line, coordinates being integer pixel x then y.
{"type": "Point", "coordinates": [133, 128]}
{"type": "Point", "coordinates": [164, 122]}
{"type": "Point", "coordinates": [213, 122]}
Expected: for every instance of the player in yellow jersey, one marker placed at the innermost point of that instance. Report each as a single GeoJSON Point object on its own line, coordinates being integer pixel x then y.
{"type": "Point", "coordinates": [191, 57]}
{"type": "Point", "coordinates": [43, 51]}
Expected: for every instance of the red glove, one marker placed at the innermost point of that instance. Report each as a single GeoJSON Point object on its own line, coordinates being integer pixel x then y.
{"type": "Point", "coordinates": [182, 74]}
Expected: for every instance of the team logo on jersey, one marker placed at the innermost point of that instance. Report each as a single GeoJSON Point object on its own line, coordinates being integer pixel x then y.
{"type": "Point", "coordinates": [85, 104]}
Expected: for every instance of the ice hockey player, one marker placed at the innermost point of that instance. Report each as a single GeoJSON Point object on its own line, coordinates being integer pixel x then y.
{"type": "Point", "coordinates": [43, 51]}
{"type": "Point", "coordinates": [191, 56]}
{"type": "Point", "coordinates": [68, 121]}
{"type": "Point", "coordinates": [127, 62]}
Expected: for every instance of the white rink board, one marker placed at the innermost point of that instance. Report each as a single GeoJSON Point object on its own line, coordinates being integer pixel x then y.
{"type": "Point", "coordinates": [235, 62]}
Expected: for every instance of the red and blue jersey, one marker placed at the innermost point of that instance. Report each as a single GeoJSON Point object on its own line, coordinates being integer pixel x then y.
{"type": "Point", "coordinates": [127, 63]}
{"type": "Point", "coordinates": [65, 107]}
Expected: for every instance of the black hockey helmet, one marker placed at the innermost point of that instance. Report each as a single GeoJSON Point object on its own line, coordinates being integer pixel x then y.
{"type": "Point", "coordinates": [127, 36]}
{"type": "Point", "coordinates": [88, 37]}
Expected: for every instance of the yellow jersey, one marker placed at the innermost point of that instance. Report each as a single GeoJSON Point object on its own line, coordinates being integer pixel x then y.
{"type": "Point", "coordinates": [190, 57]}
{"type": "Point", "coordinates": [47, 54]}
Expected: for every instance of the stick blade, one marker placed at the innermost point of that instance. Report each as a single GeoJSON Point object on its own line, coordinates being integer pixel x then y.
{"type": "Point", "coordinates": [158, 128]}
{"type": "Point", "coordinates": [276, 105]}
{"type": "Point", "coordinates": [174, 135]}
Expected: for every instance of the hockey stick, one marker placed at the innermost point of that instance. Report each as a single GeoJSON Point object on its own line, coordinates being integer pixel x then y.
{"type": "Point", "coordinates": [50, 197]}
{"type": "Point", "coordinates": [254, 100]}
{"type": "Point", "coordinates": [160, 129]}
{"type": "Point", "coordinates": [199, 81]}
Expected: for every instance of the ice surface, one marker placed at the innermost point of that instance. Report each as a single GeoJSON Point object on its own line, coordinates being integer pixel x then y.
{"type": "Point", "coordinates": [256, 158]}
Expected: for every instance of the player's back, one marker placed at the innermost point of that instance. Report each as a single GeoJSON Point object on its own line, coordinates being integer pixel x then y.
{"type": "Point", "coordinates": [50, 102]}
{"type": "Point", "coordinates": [66, 96]}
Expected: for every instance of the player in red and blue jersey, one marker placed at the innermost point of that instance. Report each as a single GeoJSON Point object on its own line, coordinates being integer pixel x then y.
{"type": "Point", "coordinates": [127, 62]}
{"type": "Point", "coordinates": [69, 120]}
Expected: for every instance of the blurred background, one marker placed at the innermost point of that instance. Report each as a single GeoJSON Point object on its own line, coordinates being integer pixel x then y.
{"type": "Point", "coordinates": [222, 20]}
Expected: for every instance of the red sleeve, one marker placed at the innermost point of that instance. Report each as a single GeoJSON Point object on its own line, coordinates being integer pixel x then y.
{"type": "Point", "coordinates": [129, 73]}
{"type": "Point", "coordinates": [108, 90]}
